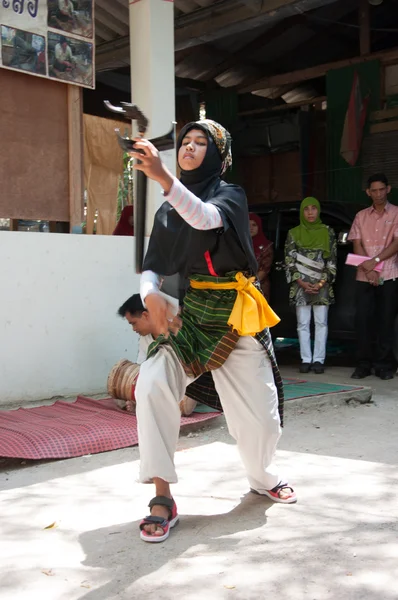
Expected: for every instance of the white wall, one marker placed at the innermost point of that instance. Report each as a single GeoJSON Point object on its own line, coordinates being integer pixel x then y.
{"type": "Point", "coordinates": [59, 294]}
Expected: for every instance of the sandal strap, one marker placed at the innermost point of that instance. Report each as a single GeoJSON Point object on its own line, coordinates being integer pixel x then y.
{"type": "Point", "coordinates": [282, 486]}
{"type": "Point", "coordinates": [162, 501]}
{"type": "Point", "coordinates": [152, 520]}
{"type": "Point", "coordinates": [155, 520]}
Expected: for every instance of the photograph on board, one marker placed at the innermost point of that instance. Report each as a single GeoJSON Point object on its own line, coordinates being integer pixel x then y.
{"type": "Point", "coordinates": [70, 59]}
{"type": "Point", "coordinates": [71, 16]}
{"type": "Point", "coordinates": [23, 50]}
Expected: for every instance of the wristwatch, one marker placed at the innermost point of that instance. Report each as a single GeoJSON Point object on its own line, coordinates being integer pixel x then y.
{"type": "Point", "coordinates": [377, 259]}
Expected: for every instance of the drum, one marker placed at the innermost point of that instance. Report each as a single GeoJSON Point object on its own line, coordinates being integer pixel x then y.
{"type": "Point", "coordinates": [122, 380]}
{"type": "Point", "coordinates": [121, 386]}
{"type": "Point", "coordinates": [187, 406]}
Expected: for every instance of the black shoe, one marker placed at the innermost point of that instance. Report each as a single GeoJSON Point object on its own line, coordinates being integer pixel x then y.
{"type": "Point", "coordinates": [305, 367]}
{"type": "Point", "coordinates": [361, 373]}
{"type": "Point", "coordinates": [318, 368]}
{"type": "Point", "coordinates": [385, 374]}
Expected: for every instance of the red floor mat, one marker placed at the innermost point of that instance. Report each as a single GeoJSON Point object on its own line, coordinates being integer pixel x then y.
{"type": "Point", "coordinates": [65, 429]}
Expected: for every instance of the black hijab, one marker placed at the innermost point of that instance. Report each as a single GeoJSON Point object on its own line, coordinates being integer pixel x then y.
{"type": "Point", "coordinates": [174, 246]}
{"type": "Point", "coordinates": [200, 181]}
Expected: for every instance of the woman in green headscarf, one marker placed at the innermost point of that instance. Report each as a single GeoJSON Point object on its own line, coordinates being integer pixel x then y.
{"type": "Point", "coordinates": [310, 259]}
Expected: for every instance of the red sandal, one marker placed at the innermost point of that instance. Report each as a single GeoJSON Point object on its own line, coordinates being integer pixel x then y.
{"type": "Point", "coordinates": [165, 524]}
{"type": "Point", "coordinates": [275, 494]}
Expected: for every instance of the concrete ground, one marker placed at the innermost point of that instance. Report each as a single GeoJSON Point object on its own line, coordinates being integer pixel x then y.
{"type": "Point", "coordinates": [340, 541]}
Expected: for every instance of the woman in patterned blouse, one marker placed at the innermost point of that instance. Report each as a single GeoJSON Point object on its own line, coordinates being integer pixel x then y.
{"type": "Point", "coordinates": [310, 259]}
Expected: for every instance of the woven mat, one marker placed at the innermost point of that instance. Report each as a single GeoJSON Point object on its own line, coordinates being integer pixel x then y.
{"type": "Point", "coordinates": [65, 429]}
{"type": "Point", "coordinates": [303, 389]}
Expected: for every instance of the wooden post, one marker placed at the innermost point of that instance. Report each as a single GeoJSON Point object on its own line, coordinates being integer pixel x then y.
{"type": "Point", "coordinates": [364, 28]}
{"type": "Point", "coordinates": [271, 180]}
{"type": "Point", "coordinates": [383, 94]}
{"type": "Point", "coordinates": [75, 138]}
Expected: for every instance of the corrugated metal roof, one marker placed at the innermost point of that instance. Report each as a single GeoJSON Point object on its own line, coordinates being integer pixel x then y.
{"type": "Point", "coordinates": [112, 16]}
{"type": "Point", "coordinates": [111, 20]}
{"type": "Point", "coordinates": [300, 33]}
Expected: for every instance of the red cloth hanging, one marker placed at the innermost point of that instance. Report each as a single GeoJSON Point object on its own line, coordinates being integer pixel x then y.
{"type": "Point", "coordinates": [354, 124]}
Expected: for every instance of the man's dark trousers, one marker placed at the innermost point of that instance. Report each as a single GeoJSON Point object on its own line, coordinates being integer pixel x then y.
{"type": "Point", "coordinates": [376, 309]}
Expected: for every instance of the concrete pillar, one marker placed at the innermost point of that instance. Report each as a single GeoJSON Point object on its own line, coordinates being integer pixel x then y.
{"type": "Point", "coordinates": [152, 77]}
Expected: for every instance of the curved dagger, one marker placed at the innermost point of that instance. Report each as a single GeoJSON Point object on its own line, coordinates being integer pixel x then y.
{"type": "Point", "coordinates": [131, 112]}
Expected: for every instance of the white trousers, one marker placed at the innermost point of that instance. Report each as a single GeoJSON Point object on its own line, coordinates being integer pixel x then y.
{"type": "Point", "coordinates": [321, 332]}
{"type": "Point", "coordinates": [249, 398]}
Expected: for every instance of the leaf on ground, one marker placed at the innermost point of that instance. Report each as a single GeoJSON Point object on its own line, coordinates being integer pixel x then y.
{"type": "Point", "coordinates": [85, 584]}
{"type": "Point", "coordinates": [48, 572]}
{"type": "Point", "coordinates": [52, 526]}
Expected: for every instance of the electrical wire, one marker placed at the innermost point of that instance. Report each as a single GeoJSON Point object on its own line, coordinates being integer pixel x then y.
{"type": "Point", "coordinates": [350, 25]}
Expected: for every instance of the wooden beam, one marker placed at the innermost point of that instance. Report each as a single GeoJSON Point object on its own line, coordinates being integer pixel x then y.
{"type": "Point", "coordinates": [364, 27]}
{"type": "Point", "coordinates": [383, 127]}
{"type": "Point", "coordinates": [104, 61]}
{"type": "Point", "coordinates": [180, 55]}
{"type": "Point", "coordinates": [111, 22]}
{"type": "Point", "coordinates": [379, 115]}
{"type": "Point", "coordinates": [286, 106]}
{"type": "Point", "coordinates": [119, 12]}
{"type": "Point", "coordinates": [330, 12]}
{"type": "Point", "coordinates": [201, 19]}
{"type": "Point", "coordinates": [385, 56]}
{"type": "Point", "coordinates": [254, 5]}
{"type": "Point", "coordinates": [190, 84]}
{"type": "Point", "coordinates": [185, 6]}
{"type": "Point", "coordinates": [383, 90]}
{"type": "Point", "coordinates": [121, 3]}
{"type": "Point", "coordinates": [75, 138]}
{"type": "Point", "coordinates": [104, 32]}
{"type": "Point", "coordinates": [215, 22]}
{"type": "Point", "coordinates": [259, 42]}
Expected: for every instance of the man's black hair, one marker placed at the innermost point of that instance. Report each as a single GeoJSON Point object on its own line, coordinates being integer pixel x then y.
{"type": "Point", "coordinates": [133, 306]}
{"type": "Point", "coordinates": [377, 177]}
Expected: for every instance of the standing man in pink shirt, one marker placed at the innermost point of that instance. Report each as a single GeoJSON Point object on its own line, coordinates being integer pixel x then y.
{"type": "Point", "coordinates": [375, 234]}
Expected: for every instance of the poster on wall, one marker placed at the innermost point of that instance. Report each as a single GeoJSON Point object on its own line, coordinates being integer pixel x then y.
{"type": "Point", "coordinates": [49, 38]}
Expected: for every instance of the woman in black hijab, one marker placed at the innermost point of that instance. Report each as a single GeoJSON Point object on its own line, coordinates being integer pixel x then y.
{"type": "Point", "coordinates": [202, 233]}
{"type": "Point", "coordinates": [204, 154]}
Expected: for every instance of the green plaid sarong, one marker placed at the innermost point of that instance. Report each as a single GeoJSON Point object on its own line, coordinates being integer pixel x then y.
{"type": "Point", "coordinates": [205, 339]}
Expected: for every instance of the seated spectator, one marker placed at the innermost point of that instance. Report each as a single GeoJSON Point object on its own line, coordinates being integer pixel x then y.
{"type": "Point", "coordinates": [264, 253]}
{"type": "Point", "coordinates": [125, 225]}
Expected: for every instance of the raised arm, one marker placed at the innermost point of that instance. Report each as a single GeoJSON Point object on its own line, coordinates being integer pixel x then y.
{"type": "Point", "coordinates": [197, 214]}
{"type": "Point", "coordinates": [149, 284]}
{"type": "Point", "coordinates": [161, 307]}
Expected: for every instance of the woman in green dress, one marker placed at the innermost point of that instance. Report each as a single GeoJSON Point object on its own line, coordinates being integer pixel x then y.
{"type": "Point", "coordinates": [310, 259]}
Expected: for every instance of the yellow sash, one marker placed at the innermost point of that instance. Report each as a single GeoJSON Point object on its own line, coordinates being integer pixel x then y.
{"type": "Point", "coordinates": [251, 312]}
